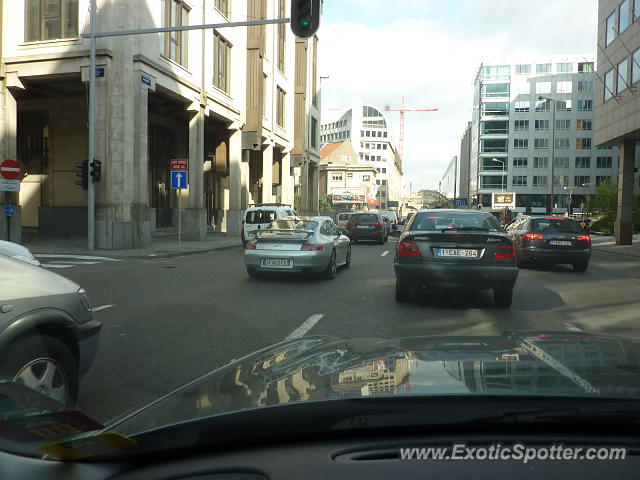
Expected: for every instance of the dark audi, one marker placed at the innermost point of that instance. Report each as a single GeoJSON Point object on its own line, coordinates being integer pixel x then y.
{"type": "Point", "coordinates": [455, 248]}
{"type": "Point", "coordinates": [550, 240]}
{"type": "Point", "coordinates": [367, 226]}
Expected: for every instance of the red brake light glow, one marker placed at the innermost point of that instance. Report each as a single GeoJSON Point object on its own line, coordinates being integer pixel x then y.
{"type": "Point", "coordinates": [585, 238]}
{"type": "Point", "coordinates": [349, 224]}
{"type": "Point", "coordinates": [533, 236]}
{"type": "Point", "coordinates": [408, 249]}
{"type": "Point", "coordinates": [505, 252]}
{"type": "Point", "coordinates": [251, 246]}
{"type": "Point", "coordinates": [377, 224]}
{"type": "Point", "coordinates": [555, 218]}
{"type": "Point", "coordinates": [312, 248]}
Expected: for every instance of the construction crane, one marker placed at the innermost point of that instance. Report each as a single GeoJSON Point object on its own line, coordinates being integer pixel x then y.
{"type": "Point", "coordinates": [403, 112]}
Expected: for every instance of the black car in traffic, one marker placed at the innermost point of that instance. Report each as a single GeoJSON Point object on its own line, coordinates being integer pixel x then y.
{"type": "Point", "coordinates": [455, 248]}
{"type": "Point", "coordinates": [550, 240]}
{"type": "Point", "coordinates": [367, 226]}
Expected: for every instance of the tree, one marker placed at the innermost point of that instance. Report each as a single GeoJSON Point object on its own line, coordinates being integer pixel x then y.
{"type": "Point", "coordinates": [325, 204]}
{"type": "Point", "coordinates": [605, 199]}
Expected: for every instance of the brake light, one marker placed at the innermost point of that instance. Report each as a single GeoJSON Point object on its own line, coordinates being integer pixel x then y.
{"type": "Point", "coordinates": [312, 248]}
{"type": "Point", "coordinates": [533, 236]}
{"type": "Point", "coordinates": [555, 218]}
{"type": "Point", "coordinates": [377, 224]}
{"type": "Point", "coordinates": [408, 249]}
{"type": "Point", "coordinates": [584, 238]}
{"type": "Point", "coordinates": [349, 224]}
{"type": "Point", "coordinates": [251, 246]}
{"type": "Point", "coordinates": [505, 252]}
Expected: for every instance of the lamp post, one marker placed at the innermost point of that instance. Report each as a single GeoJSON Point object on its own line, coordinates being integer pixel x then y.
{"type": "Point", "coordinates": [553, 147]}
{"type": "Point", "coordinates": [502, 177]}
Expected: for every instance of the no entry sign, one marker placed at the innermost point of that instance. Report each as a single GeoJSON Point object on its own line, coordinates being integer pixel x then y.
{"type": "Point", "coordinates": [10, 169]}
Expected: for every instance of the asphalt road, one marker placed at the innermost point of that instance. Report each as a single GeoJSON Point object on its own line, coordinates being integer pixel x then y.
{"type": "Point", "coordinates": [172, 320]}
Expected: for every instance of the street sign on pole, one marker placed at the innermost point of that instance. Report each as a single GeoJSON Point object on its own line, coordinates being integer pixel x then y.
{"type": "Point", "coordinates": [179, 164]}
{"type": "Point", "coordinates": [9, 185]}
{"type": "Point", "coordinates": [9, 210]}
{"type": "Point", "coordinates": [10, 169]}
{"type": "Point", "coordinates": [179, 180]}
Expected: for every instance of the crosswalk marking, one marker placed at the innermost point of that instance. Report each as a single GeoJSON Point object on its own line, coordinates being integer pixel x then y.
{"type": "Point", "coordinates": [56, 260]}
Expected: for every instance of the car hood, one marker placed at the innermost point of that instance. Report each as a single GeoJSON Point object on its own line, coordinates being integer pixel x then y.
{"type": "Point", "coordinates": [17, 251]}
{"type": "Point", "coordinates": [326, 368]}
{"type": "Point", "coordinates": [19, 279]}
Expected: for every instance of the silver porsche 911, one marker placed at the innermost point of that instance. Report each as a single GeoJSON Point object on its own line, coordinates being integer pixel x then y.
{"type": "Point", "coordinates": [298, 244]}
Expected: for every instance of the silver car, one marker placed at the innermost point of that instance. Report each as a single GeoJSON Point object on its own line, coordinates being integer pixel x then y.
{"type": "Point", "coordinates": [17, 251]}
{"type": "Point", "coordinates": [48, 337]}
{"type": "Point", "coordinates": [298, 244]}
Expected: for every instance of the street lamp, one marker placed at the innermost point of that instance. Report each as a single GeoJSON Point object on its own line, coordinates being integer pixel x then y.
{"type": "Point", "coordinates": [502, 177]}
{"type": "Point", "coordinates": [553, 146]}
{"type": "Point", "coordinates": [570, 190]}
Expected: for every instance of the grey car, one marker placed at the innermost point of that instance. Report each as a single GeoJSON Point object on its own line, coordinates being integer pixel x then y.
{"type": "Point", "coordinates": [455, 248]}
{"type": "Point", "coordinates": [48, 337]}
{"type": "Point", "coordinates": [17, 251]}
{"type": "Point", "coordinates": [299, 244]}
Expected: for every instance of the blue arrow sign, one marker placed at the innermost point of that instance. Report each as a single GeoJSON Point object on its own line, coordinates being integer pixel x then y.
{"type": "Point", "coordinates": [179, 179]}
{"type": "Point", "coordinates": [9, 210]}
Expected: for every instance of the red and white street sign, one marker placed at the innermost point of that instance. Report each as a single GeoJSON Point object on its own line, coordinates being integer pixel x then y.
{"type": "Point", "coordinates": [179, 164]}
{"type": "Point", "coordinates": [10, 169]}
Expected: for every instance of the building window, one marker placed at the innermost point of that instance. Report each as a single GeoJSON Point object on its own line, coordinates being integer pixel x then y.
{"type": "Point", "coordinates": [264, 101]}
{"type": "Point", "coordinates": [314, 75]}
{"type": "Point", "coordinates": [539, 181]}
{"type": "Point", "coordinates": [561, 162]}
{"type": "Point", "coordinates": [384, 146]}
{"type": "Point", "coordinates": [541, 143]}
{"type": "Point", "coordinates": [583, 143]}
{"type": "Point", "coordinates": [520, 143]}
{"type": "Point", "coordinates": [282, 35]}
{"type": "Point", "coordinates": [349, 175]}
{"type": "Point", "coordinates": [562, 143]}
{"type": "Point", "coordinates": [280, 107]}
{"type": "Point", "coordinates": [610, 33]}
{"type": "Point", "coordinates": [636, 10]}
{"type": "Point", "coordinates": [542, 124]}
{"type": "Point", "coordinates": [565, 67]}
{"type": "Point", "coordinates": [585, 86]}
{"type": "Point", "coordinates": [522, 106]}
{"type": "Point", "coordinates": [495, 108]}
{"type": "Point", "coordinates": [561, 180]}
{"type": "Point", "coordinates": [50, 19]}
{"type": "Point", "coordinates": [221, 59]}
{"type": "Point", "coordinates": [603, 179]}
{"type": "Point", "coordinates": [521, 125]}
{"type": "Point", "coordinates": [565, 87]}
{"type": "Point", "coordinates": [583, 162]}
{"type": "Point", "coordinates": [223, 7]}
{"type": "Point", "coordinates": [523, 69]}
{"type": "Point", "coordinates": [604, 162]}
{"type": "Point", "coordinates": [384, 170]}
{"type": "Point", "coordinates": [314, 132]}
{"type": "Point", "coordinates": [635, 63]}
{"type": "Point", "coordinates": [175, 14]}
{"type": "Point", "coordinates": [519, 162]}
{"type": "Point", "coordinates": [519, 181]}
{"type": "Point", "coordinates": [582, 181]}
{"type": "Point", "coordinates": [622, 75]}
{"type": "Point", "coordinates": [563, 124]}
{"type": "Point", "coordinates": [563, 105]}
{"type": "Point", "coordinates": [336, 177]}
{"type": "Point", "coordinates": [543, 68]}
{"type": "Point", "coordinates": [585, 67]}
{"type": "Point", "coordinates": [540, 162]}
{"type": "Point", "coordinates": [543, 87]}
{"type": "Point", "coordinates": [584, 124]}
{"type": "Point", "coordinates": [495, 90]}
{"type": "Point", "coordinates": [584, 105]}
{"type": "Point", "coordinates": [624, 16]}
{"type": "Point", "coordinates": [542, 106]}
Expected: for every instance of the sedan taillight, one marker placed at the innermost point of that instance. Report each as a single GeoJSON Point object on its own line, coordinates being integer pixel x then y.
{"type": "Point", "coordinates": [408, 249]}
{"type": "Point", "coordinates": [376, 224]}
{"type": "Point", "coordinates": [251, 246]}
{"type": "Point", "coordinates": [312, 248]}
{"type": "Point", "coordinates": [349, 224]}
{"type": "Point", "coordinates": [505, 252]}
{"type": "Point", "coordinates": [584, 238]}
{"type": "Point", "coordinates": [533, 236]}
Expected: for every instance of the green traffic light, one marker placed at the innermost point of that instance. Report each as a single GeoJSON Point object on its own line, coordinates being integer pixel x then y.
{"type": "Point", "coordinates": [304, 22]}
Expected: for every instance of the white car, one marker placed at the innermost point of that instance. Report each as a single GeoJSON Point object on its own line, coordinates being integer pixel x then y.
{"type": "Point", "coordinates": [393, 218]}
{"type": "Point", "coordinates": [260, 216]}
{"type": "Point", "coordinates": [18, 252]}
{"type": "Point", "coordinates": [342, 219]}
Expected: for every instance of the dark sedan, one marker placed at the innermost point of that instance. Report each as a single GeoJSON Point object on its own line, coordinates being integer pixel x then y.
{"type": "Point", "coordinates": [455, 248]}
{"type": "Point", "coordinates": [367, 226]}
{"type": "Point", "coordinates": [550, 240]}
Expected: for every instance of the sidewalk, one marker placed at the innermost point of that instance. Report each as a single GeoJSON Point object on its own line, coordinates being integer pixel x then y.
{"type": "Point", "coordinates": [607, 243]}
{"type": "Point", "coordinates": [163, 245]}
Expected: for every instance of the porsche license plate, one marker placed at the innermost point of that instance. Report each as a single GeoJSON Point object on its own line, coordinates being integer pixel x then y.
{"type": "Point", "coordinates": [277, 262]}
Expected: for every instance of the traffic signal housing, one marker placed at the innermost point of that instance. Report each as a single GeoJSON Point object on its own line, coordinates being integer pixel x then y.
{"type": "Point", "coordinates": [305, 17]}
{"type": "Point", "coordinates": [96, 170]}
{"type": "Point", "coordinates": [83, 174]}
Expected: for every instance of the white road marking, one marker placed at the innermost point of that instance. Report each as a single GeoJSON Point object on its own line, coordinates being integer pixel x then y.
{"type": "Point", "coordinates": [571, 327]}
{"type": "Point", "coordinates": [78, 257]}
{"type": "Point", "coordinates": [102, 307]}
{"type": "Point", "coordinates": [385, 253]}
{"type": "Point", "coordinates": [305, 327]}
{"type": "Point", "coordinates": [50, 265]}
{"type": "Point", "coordinates": [62, 262]}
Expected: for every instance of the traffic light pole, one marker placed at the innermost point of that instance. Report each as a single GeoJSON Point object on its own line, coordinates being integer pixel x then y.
{"type": "Point", "coordinates": [93, 35]}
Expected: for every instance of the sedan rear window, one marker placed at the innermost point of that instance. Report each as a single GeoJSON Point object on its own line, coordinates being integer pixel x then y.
{"type": "Point", "coordinates": [344, 216]}
{"type": "Point", "coordinates": [554, 225]}
{"type": "Point", "coordinates": [260, 216]}
{"type": "Point", "coordinates": [364, 218]}
{"type": "Point", "coordinates": [434, 221]}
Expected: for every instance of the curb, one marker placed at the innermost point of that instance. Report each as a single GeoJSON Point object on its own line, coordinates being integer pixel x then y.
{"type": "Point", "coordinates": [149, 255]}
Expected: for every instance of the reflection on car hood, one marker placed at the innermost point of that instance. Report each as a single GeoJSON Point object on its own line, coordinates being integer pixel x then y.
{"type": "Point", "coordinates": [325, 368]}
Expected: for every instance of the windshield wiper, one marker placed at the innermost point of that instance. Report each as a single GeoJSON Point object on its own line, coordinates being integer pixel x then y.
{"type": "Point", "coordinates": [477, 229]}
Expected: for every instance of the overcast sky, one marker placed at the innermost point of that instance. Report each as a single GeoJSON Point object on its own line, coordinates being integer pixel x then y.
{"type": "Point", "coordinates": [429, 52]}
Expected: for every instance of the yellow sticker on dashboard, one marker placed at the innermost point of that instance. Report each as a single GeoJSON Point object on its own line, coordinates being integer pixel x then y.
{"type": "Point", "coordinates": [89, 445]}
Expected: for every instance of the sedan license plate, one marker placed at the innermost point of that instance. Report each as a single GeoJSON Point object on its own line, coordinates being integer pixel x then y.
{"type": "Point", "coordinates": [560, 243]}
{"type": "Point", "coordinates": [457, 252]}
{"type": "Point", "coordinates": [277, 262]}
{"type": "Point", "coordinates": [363, 227]}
